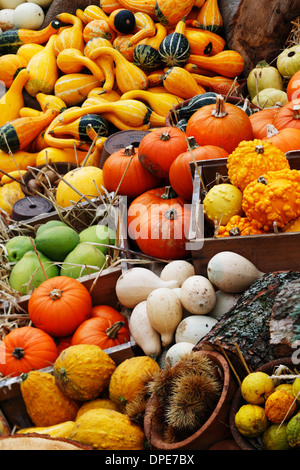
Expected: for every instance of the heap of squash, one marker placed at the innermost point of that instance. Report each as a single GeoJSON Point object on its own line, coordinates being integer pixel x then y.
{"type": "Point", "coordinates": [109, 62]}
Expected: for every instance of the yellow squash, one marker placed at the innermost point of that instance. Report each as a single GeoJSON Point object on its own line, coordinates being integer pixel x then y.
{"type": "Point", "coordinates": [43, 70]}
{"type": "Point", "coordinates": [73, 88]}
{"type": "Point", "coordinates": [72, 60]}
{"type": "Point", "coordinates": [161, 103]}
{"type": "Point", "coordinates": [12, 101]}
{"type": "Point", "coordinates": [70, 36]}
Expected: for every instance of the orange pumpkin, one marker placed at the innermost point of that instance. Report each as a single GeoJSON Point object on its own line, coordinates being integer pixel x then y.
{"type": "Point", "coordinates": [59, 305]}
{"type": "Point", "coordinates": [180, 173]}
{"type": "Point", "coordinates": [123, 172]}
{"type": "Point", "coordinates": [286, 139]}
{"type": "Point", "coordinates": [288, 115]}
{"type": "Point", "coordinates": [222, 124]}
{"type": "Point", "coordinates": [24, 349]}
{"type": "Point", "coordinates": [103, 332]}
{"type": "Point", "coordinates": [260, 120]}
{"type": "Point", "coordinates": [159, 148]}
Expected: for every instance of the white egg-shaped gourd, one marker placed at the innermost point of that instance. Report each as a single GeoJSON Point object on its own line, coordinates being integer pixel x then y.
{"type": "Point", "coordinates": [177, 269]}
{"type": "Point", "coordinates": [145, 336]}
{"type": "Point", "coordinates": [176, 351]}
{"type": "Point", "coordinates": [193, 328]}
{"type": "Point", "coordinates": [42, 3]}
{"type": "Point", "coordinates": [198, 295]}
{"type": "Point", "coordinates": [28, 16]}
{"type": "Point", "coordinates": [164, 311]}
{"type": "Point", "coordinates": [231, 272]}
{"type": "Point", "coordinates": [224, 303]}
{"type": "Point", "coordinates": [12, 4]}
{"type": "Point", "coordinates": [135, 284]}
{"type": "Point", "coordinates": [7, 19]}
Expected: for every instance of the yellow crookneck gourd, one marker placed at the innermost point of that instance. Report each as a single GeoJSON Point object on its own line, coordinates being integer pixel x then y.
{"type": "Point", "coordinates": [12, 101]}
{"type": "Point", "coordinates": [105, 63]}
{"type": "Point", "coordinates": [43, 70]}
{"type": "Point", "coordinates": [73, 88]}
{"type": "Point", "coordinates": [155, 40]}
{"type": "Point", "coordinates": [128, 76]}
{"type": "Point", "coordinates": [90, 13]}
{"type": "Point", "coordinates": [72, 60]}
{"type": "Point", "coordinates": [71, 37]}
{"type": "Point", "coordinates": [209, 16]}
{"type": "Point", "coordinates": [160, 103]}
{"type": "Point", "coordinates": [144, 27]}
{"type": "Point", "coordinates": [50, 102]}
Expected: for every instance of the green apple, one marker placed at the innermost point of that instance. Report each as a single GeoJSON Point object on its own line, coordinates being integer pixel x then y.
{"type": "Point", "coordinates": [17, 247]}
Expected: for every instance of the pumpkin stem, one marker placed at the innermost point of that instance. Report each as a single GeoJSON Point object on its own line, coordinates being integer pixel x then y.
{"type": "Point", "coordinates": [171, 214]}
{"type": "Point", "coordinates": [259, 149]}
{"type": "Point", "coordinates": [55, 294]}
{"type": "Point", "coordinates": [262, 180]}
{"type": "Point", "coordinates": [296, 111]}
{"type": "Point", "coordinates": [169, 193]}
{"type": "Point", "coordinates": [18, 353]}
{"type": "Point", "coordinates": [130, 150]}
{"type": "Point", "coordinates": [112, 331]}
{"type": "Point", "coordinates": [192, 144]}
{"type": "Point", "coordinates": [165, 136]}
{"type": "Point", "coordinates": [220, 110]}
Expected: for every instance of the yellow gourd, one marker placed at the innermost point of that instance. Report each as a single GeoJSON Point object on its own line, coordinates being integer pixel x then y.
{"type": "Point", "coordinates": [96, 404]}
{"type": "Point", "coordinates": [83, 371]}
{"type": "Point", "coordinates": [9, 65]}
{"type": "Point", "coordinates": [105, 63]}
{"type": "Point", "coordinates": [12, 101]}
{"type": "Point", "coordinates": [90, 13]}
{"type": "Point", "coordinates": [105, 429]}
{"type": "Point", "coordinates": [155, 40]}
{"type": "Point", "coordinates": [43, 70]}
{"type": "Point", "coordinates": [9, 194]}
{"type": "Point", "coordinates": [74, 61]}
{"type": "Point", "coordinates": [52, 154]}
{"type": "Point", "coordinates": [71, 37]}
{"type": "Point", "coordinates": [209, 16]}
{"type": "Point", "coordinates": [73, 88]}
{"type": "Point", "coordinates": [45, 403]}
{"type": "Point", "coordinates": [50, 102]}
{"type": "Point", "coordinates": [144, 27]}
{"type": "Point", "coordinates": [179, 81]}
{"type": "Point", "coordinates": [12, 176]}
{"type": "Point", "coordinates": [58, 430]}
{"type": "Point", "coordinates": [21, 161]}
{"type": "Point", "coordinates": [27, 51]}
{"type": "Point", "coordinates": [170, 12]}
{"type": "Point", "coordinates": [128, 76]}
{"type": "Point", "coordinates": [161, 103]}
{"type": "Point", "coordinates": [144, 6]}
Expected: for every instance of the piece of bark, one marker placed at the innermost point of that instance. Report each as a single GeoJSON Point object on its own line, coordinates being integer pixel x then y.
{"type": "Point", "coordinates": [258, 29]}
{"type": "Point", "coordinates": [247, 324]}
{"type": "Point", "coordinates": [284, 321]}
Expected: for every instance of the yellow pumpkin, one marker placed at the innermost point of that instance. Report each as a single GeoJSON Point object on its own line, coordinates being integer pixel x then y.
{"type": "Point", "coordinates": [222, 202]}
{"type": "Point", "coordinates": [46, 405]}
{"type": "Point", "coordinates": [57, 430]}
{"type": "Point", "coordinates": [95, 405]}
{"type": "Point", "coordinates": [88, 181]}
{"type": "Point", "coordinates": [83, 371]}
{"type": "Point", "coordinates": [9, 194]}
{"type": "Point", "coordinates": [128, 379]}
{"type": "Point", "coordinates": [105, 429]}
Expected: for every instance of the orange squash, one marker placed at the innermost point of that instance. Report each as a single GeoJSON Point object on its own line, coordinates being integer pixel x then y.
{"type": "Point", "coordinates": [73, 88]}
{"type": "Point", "coordinates": [69, 37]}
{"type": "Point", "coordinates": [226, 63]}
{"type": "Point", "coordinates": [9, 66]}
{"type": "Point", "coordinates": [179, 81]}
{"type": "Point", "coordinates": [169, 12]}
{"type": "Point", "coordinates": [72, 60]}
{"type": "Point", "coordinates": [12, 101]}
{"type": "Point", "coordinates": [209, 16]}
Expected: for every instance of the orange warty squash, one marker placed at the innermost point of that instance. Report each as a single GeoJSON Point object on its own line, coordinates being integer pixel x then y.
{"type": "Point", "coordinates": [59, 305]}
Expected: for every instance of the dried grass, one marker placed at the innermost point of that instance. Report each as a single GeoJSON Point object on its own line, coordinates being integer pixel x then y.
{"type": "Point", "coordinates": [294, 36]}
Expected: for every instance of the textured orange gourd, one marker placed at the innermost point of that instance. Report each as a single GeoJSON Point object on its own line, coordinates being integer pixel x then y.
{"type": "Point", "coordinates": [280, 406]}
{"type": "Point", "coordinates": [9, 65]}
{"type": "Point", "coordinates": [123, 45]}
{"type": "Point", "coordinates": [252, 158]}
{"type": "Point", "coordinates": [222, 124]}
{"type": "Point", "coordinates": [108, 6]}
{"type": "Point", "coordinates": [98, 29]}
{"type": "Point", "coordinates": [226, 63]}
{"type": "Point", "coordinates": [273, 199]}
{"type": "Point", "coordinates": [239, 225]}
{"type": "Point", "coordinates": [128, 379]}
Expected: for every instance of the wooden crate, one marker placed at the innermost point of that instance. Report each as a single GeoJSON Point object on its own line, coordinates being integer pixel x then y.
{"type": "Point", "coordinates": [102, 290]}
{"type": "Point", "coordinates": [268, 252]}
